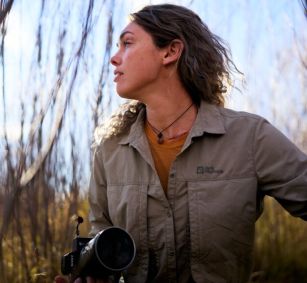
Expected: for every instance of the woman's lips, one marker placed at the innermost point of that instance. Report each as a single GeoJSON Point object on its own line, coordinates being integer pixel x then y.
{"type": "Point", "coordinates": [117, 75]}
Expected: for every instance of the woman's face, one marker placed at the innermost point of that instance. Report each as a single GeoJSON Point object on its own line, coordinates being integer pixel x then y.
{"type": "Point", "coordinates": [137, 62]}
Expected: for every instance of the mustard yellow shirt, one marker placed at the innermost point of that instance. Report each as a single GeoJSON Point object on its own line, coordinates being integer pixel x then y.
{"type": "Point", "coordinates": [163, 154]}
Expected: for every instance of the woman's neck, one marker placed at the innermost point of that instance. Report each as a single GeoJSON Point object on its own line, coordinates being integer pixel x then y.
{"type": "Point", "coordinates": [171, 117]}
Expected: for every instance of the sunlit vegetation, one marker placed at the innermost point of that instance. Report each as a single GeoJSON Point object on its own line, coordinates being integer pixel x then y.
{"type": "Point", "coordinates": [60, 92]}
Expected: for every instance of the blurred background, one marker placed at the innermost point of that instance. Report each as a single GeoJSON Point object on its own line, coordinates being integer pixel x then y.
{"type": "Point", "coordinates": [56, 87]}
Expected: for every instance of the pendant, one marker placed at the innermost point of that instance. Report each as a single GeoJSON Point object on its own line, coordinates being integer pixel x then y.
{"type": "Point", "coordinates": [160, 138]}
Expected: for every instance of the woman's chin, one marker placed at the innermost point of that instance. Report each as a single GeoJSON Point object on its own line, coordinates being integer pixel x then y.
{"type": "Point", "coordinates": [126, 95]}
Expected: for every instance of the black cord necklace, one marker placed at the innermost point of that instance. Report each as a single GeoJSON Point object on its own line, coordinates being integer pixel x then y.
{"type": "Point", "coordinates": [159, 133]}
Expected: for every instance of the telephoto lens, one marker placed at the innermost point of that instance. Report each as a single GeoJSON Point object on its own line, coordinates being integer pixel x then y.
{"type": "Point", "coordinates": [110, 252]}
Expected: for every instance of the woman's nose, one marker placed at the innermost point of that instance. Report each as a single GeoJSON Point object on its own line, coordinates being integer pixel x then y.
{"type": "Point", "coordinates": [115, 60]}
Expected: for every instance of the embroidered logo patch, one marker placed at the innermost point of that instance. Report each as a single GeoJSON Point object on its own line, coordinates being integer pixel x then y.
{"type": "Point", "coordinates": [207, 169]}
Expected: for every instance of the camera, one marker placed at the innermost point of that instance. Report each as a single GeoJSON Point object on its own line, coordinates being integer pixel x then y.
{"type": "Point", "coordinates": [109, 253]}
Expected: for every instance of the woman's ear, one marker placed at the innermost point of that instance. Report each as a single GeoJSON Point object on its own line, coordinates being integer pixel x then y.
{"type": "Point", "coordinates": [173, 52]}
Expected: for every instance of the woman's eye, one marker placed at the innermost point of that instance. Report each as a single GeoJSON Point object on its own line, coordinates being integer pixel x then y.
{"type": "Point", "coordinates": [126, 43]}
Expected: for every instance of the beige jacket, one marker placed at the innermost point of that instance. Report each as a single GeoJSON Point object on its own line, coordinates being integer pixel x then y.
{"type": "Point", "coordinates": [204, 228]}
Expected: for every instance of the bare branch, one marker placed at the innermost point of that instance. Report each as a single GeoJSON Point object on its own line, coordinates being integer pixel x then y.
{"type": "Point", "coordinates": [5, 9]}
{"type": "Point", "coordinates": [304, 4]}
{"type": "Point", "coordinates": [27, 175]}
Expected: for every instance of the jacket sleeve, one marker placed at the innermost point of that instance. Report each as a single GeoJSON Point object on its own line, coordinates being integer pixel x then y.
{"type": "Point", "coordinates": [281, 168]}
{"type": "Point", "coordinates": [99, 213]}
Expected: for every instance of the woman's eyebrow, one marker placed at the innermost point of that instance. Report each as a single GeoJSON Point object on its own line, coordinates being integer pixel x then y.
{"type": "Point", "coordinates": [124, 33]}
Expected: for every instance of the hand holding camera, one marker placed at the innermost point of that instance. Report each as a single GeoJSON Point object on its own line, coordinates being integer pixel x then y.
{"type": "Point", "coordinates": [103, 257]}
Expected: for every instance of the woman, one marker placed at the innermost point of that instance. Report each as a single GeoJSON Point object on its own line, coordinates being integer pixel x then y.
{"type": "Point", "coordinates": [183, 175]}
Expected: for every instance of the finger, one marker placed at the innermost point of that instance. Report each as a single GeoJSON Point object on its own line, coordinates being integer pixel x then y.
{"type": "Point", "coordinates": [78, 280]}
{"type": "Point", "coordinates": [106, 280]}
{"type": "Point", "coordinates": [93, 280]}
{"type": "Point", "coordinates": [60, 279]}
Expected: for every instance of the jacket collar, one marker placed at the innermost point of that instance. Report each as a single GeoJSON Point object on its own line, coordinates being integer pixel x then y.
{"type": "Point", "coordinates": [136, 130]}
{"type": "Point", "coordinates": [208, 120]}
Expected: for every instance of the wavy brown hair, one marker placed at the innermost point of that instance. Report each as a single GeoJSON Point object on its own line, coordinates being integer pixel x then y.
{"type": "Point", "coordinates": [205, 63]}
{"type": "Point", "coordinates": [204, 66]}
{"type": "Point", "coordinates": [119, 122]}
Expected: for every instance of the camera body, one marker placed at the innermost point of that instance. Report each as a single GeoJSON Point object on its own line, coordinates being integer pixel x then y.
{"type": "Point", "coordinates": [110, 252]}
